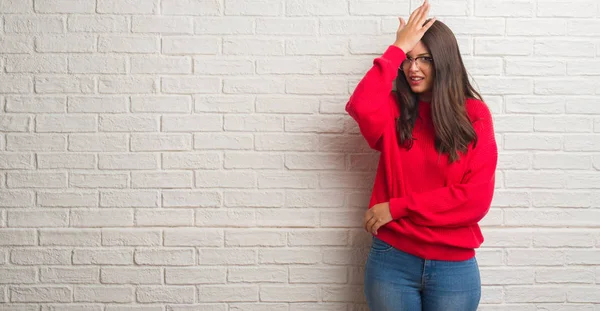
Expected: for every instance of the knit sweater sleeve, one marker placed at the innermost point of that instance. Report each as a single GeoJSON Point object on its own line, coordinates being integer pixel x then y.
{"type": "Point", "coordinates": [461, 204]}
{"type": "Point", "coordinates": [369, 104]}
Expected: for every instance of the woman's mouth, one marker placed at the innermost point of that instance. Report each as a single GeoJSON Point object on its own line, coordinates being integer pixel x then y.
{"type": "Point", "coordinates": [414, 81]}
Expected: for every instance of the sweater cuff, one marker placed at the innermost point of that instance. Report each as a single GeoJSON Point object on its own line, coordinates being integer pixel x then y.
{"type": "Point", "coordinates": [398, 208]}
{"type": "Point", "coordinates": [394, 55]}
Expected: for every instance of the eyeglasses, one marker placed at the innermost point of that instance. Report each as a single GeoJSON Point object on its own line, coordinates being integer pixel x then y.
{"type": "Point", "coordinates": [421, 61]}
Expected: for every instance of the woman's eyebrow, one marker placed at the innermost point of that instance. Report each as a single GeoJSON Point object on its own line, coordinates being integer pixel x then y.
{"type": "Point", "coordinates": [422, 54]}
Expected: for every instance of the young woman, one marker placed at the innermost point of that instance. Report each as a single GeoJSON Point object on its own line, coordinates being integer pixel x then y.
{"type": "Point", "coordinates": [435, 178]}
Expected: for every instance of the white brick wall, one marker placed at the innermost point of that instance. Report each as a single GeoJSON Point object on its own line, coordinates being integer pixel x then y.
{"type": "Point", "coordinates": [176, 155]}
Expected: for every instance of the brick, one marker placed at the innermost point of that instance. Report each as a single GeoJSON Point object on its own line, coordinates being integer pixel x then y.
{"type": "Point", "coordinates": [161, 104]}
{"type": "Point", "coordinates": [16, 6]}
{"type": "Point", "coordinates": [65, 6]}
{"type": "Point", "coordinates": [161, 65]}
{"type": "Point", "coordinates": [161, 142]}
{"type": "Point", "coordinates": [272, 26]}
{"type": "Point", "coordinates": [225, 179]}
{"type": "Point", "coordinates": [563, 47]}
{"type": "Point", "coordinates": [193, 237]}
{"type": "Point", "coordinates": [16, 161]}
{"type": "Point", "coordinates": [243, 46]}
{"type": "Point", "coordinates": [295, 293]}
{"type": "Point", "coordinates": [69, 237]}
{"type": "Point", "coordinates": [190, 45]}
{"type": "Point", "coordinates": [257, 275]}
{"type": "Point", "coordinates": [235, 103]}
{"type": "Point", "coordinates": [101, 218]}
{"type": "Point", "coordinates": [286, 104]}
{"type": "Point", "coordinates": [478, 26]}
{"type": "Point", "coordinates": [97, 23]}
{"type": "Point", "coordinates": [196, 275]}
{"type": "Point", "coordinates": [190, 85]}
{"type": "Point", "coordinates": [182, 198]}
{"type": "Point", "coordinates": [15, 44]}
{"type": "Point", "coordinates": [63, 85]}
{"type": "Point", "coordinates": [15, 84]}
{"type": "Point", "coordinates": [17, 237]}
{"type": "Point", "coordinates": [161, 24]}
{"type": "Point", "coordinates": [229, 293]}
{"type": "Point", "coordinates": [35, 104]}
{"type": "Point", "coordinates": [164, 217]}
{"type": "Point", "coordinates": [253, 86]}
{"type": "Point", "coordinates": [128, 44]}
{"type": "Point", "coordinates": [571, 218]}
{"type": "Point", "coordinates": [131, 237]}
{"type": "Point", "coordinates": [166, 294]}
{"type": "Point", "coordinates": [66, 160]}
{"type": "Point", "coordinates": [228, 141]}
{"type": "Point", "coordinates": [224, 67]}
{"type": "Point", "coordinates": [95, 180]}
{"type": "Point", "coordinates": [259, 8]}
{"type": "Point", "coordinates": [36, 180]}
{"type": "Point", "coordinates": [582, 142]}
{"type": "Point", "coordinates": [347, 26]}
{"type": "Point", "coordinates": [504, 8]}
{"type": "Point", "coordinates": [161, 179]}
{"type": "Point", "coordinates": [224, 218]}
{"type": "Point", "coordinates": [318, 275]}
{"type": "Point", "coordinates": [191, 7]}
{"type": "Point", "coordinates": [18, 275]}
{"type": "Point", "coordinates": [562, 8]}
{"type": "Point", "coordinates": [97, 64]}
{"type": "Point", "coordinates": [105, 294]}
{"type": "Point", "coordinates": [563, 86]}
{"type": "Point", "coordinates": [276, 218]}
{"type": "Point", "coordinates": [65, 123]}
{"type": "Point", "coordinates": [14, 123]}
{"type": "Point", "coordinates": [45, 256]}
{"type": "Point", "coordinates": [564, 275]}
{"type": "Point", "coordinates": [224, 25]}
{"type": "Point", "coordinates": [97, 104]}
{"type": "Point", "coordinates": [535, 27]}
{"type": "Point", "coordinates": [40, 294]}
{"type": "Point", "coordinates": [253, 160]}
{"type": "Point", "coordinates": [33, 219]}
{"type": "Point", "coordinates": [128, 123]}
{"type": "Point", "coordinates": [313, 8]}
{"type": "Point", "coordinates": [130, 84]}
{"type": "Point", "coordinates": [193, 123]}
{"type": "Point", "coordinates": [285, 142]}
{"type": "Point", "coordinates": [316, 86]}
{"type": "Point", "coordinates": [226, 256]}
{"type": "Point", "coordinates": [254, 123]}
{"type": "Point", "coordinates": [103, 257]}
{"type": "Point", "coordinates": [560, 199]}
{"type": "Point", "coordinates": [534, 294]}
{"type": "Point", "coordinates": [38, 64]}
{"type": "Point", "coordinates": [70, 43]}
{"type": "Point", "coordinates": [315, 238]}
{"type": "Point", "coordinates": [165, 257]}
{"type": "Point", "coordinates": [127, 198]}
{"type": "Point", "coordinates": [127, 6]}
{"type": "Point", "coordinates": [126, 161]}
{"type": "Point", "coordinates": [242, 238]}
{"type": "Point", "coordinates": [63, 275]}
{"type": "Point", "coordinates": [537, 68]}
{"type": "Point", "coordinates": [191, 161]}
{"type": "Point", "coordinates": [118, 275]}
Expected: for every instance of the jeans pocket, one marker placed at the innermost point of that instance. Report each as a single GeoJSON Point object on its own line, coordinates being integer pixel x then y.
{"type": "Point", "coordinates": [378, 245]}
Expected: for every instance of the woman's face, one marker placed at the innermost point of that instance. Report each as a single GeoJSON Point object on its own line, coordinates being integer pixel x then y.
{"type": "Point", "coordinates": [418, 70]}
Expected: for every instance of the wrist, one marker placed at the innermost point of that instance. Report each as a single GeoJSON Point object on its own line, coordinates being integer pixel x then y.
{"type": "Point", "coordinates": [401, 45]}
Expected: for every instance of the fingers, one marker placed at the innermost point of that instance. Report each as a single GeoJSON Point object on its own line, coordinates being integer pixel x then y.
{"type": "Point", "coordinates": [415, 13]}
{"type": "Point", "coordinates": [422, 16]}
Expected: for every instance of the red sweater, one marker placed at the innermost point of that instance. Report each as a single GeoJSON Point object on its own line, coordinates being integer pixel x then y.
{"type": "Point", "coordinates": [436, 206]}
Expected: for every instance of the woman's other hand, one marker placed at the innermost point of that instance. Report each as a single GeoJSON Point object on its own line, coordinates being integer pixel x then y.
{"type": "Point", "coordinates": [377, 216]}
{"type": "Point", "coordinates": [409, 34]}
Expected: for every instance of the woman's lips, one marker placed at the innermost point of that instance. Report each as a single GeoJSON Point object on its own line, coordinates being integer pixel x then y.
{"type": "Point", "coordinates": [415, 82]}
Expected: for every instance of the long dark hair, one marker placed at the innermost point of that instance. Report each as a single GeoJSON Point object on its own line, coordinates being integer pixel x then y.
{"type": "Point", "coordinates": [451, 88]}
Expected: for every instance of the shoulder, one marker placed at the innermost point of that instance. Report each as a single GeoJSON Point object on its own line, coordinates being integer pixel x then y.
{"type": "Point", "coordinates": [477, 110]}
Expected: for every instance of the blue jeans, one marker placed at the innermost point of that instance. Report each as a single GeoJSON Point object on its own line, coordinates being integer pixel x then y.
{"type": "Point", "coordinates": [398, 281]}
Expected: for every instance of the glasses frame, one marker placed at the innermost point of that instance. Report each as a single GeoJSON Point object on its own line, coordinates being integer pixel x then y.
{"type": "Point", "coordinates": [417, 60]}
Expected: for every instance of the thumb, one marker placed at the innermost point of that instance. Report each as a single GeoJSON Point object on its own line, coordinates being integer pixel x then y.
{"type": "Point", "coordinates": [402, 22]}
